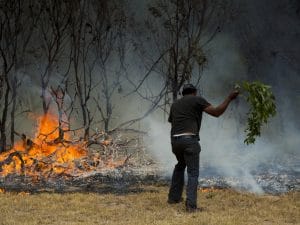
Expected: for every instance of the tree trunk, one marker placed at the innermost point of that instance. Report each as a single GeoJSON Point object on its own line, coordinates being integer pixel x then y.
{"type": "Point", "coordinates": [13, 111]}
{"type": "Point", "coordinates": [4, 116]}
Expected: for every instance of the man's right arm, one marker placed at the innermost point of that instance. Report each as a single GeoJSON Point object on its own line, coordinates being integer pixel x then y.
{"type": "Point", "coordinates": [220, 109]}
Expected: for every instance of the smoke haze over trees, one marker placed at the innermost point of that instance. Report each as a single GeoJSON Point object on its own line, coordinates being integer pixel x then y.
{"type": "Point", "coordinates": [102, 64]}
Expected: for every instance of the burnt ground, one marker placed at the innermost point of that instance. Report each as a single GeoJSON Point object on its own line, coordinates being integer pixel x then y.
{"type": "Point", "coordinates": [275, 178]}
{"type": "Point", "coordinates": [129, 178]}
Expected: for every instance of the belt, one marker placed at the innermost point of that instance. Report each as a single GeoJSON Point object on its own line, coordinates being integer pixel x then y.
{"type": "Point", "coordinates": [182, 137]}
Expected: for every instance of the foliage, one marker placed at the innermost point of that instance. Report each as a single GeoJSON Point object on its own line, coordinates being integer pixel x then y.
{"type": "Point", "coordinates": [262, 107]}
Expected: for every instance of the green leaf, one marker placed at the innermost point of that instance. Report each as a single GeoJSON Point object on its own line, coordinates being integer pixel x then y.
{"type": "Point", "coordinates": [262, 107]}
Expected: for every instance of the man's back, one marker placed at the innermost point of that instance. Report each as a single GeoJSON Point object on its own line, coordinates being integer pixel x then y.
{"type": "Point", "coordinates": [186, 114]}
{"type": "Point", "coordinates": [185, 117]}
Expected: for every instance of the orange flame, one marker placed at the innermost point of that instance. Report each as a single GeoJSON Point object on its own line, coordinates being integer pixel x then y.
{"type": "Point", "coordinates": [45, 154]}
{"type": "Point", "coordinates": [209, 189]}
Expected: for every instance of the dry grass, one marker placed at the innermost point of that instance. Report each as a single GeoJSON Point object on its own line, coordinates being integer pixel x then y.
{"type": "Point", "coordinates": [148, 207]}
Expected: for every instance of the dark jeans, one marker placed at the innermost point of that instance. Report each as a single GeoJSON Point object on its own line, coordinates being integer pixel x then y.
{"type": "Point", "coordinates": [187, 152]}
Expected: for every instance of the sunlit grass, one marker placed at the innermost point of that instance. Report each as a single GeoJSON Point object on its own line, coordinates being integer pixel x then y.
{"type": "Point", "coordinates": [148, 206]}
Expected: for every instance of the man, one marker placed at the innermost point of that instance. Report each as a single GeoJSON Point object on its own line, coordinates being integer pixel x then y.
{"type": "Point", "coordinates": [185, 118]}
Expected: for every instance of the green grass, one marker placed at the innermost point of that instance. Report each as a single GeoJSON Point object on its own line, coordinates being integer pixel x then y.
{"type": "Point", "coordinates": [148, 206]}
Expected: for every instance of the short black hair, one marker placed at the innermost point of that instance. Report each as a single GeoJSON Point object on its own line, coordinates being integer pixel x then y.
{"type": "Point", "coordinates": [188, 89]}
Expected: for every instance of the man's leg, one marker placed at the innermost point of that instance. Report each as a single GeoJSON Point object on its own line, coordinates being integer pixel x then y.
{"type": "Point", "coordinates": [176, 189]}
{"type": "Point", "coordinates": [192, 156]}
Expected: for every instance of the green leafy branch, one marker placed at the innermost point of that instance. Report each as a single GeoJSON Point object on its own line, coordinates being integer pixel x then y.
{"type": "Point", "coordinates": [262, 107]}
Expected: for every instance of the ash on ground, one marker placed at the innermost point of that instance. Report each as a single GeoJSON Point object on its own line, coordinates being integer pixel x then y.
{"type": "Point", "coordinates": [127, 179]}
{"type": "Point", "coordinates": [261, 182]}
{"type": "Point", "coordinates": [142, 169]}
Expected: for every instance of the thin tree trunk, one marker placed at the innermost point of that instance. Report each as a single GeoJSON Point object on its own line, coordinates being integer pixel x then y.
{"type": "Point", "coordinates": [12, 113]}
{"type": "Point", "coordinates": [4, 117]}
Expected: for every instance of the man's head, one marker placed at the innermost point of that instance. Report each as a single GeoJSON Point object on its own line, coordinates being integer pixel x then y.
{"type": "Point", "coordinates": [189, 89]}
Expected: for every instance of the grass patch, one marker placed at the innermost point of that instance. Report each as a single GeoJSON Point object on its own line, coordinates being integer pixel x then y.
{"type": "Point", "coordinates": [148, 206]}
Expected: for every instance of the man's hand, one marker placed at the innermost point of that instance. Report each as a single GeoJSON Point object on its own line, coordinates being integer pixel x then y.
{"type": "Point", "coordinates": [233, 94]}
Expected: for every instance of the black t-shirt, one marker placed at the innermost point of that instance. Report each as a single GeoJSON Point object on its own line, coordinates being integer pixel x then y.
{"type": "Point", "coordinates": [186, 114]}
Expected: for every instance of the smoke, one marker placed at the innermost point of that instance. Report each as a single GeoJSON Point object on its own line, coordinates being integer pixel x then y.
{"type": "Point", "coordinates": [224, 152]}
{"type": "Point", "coordinates": [259, 44]}
{"type": "Point", "coordinates": [158, 142]}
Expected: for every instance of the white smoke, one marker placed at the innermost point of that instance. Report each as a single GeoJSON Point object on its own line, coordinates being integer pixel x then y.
{"type": "Point", "coordinates": [222, 138]}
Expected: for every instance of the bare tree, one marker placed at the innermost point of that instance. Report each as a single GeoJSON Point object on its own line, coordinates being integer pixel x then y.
{"type": "Point", "coordinates": [8, 54]}
{"type": "Point", "coordinates": [178, 32]}
{"type": "Point", "coordinates": [52, 29]}
{"type": "Point", "coordinates": [109, 43]}
{"type": "Point", "coordinates": [82, 63]}
{"type": "Point", "coordinates": [16, 28]}
{"type": "Point", "coordinates": [59, 94]}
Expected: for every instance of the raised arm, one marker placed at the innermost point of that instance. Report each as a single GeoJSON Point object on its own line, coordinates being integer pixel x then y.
{"type": "Point", "coordinates": [220, 109]}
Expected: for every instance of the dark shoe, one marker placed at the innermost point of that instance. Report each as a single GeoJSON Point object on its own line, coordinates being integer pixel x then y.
{"type": "Point", "coordinates": [171, 201]}
{"type": "Point", "coordinates": [194, 209]}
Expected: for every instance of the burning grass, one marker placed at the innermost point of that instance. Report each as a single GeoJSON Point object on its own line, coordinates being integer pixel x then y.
{"type": "Point", "coordinates": [147, 205]}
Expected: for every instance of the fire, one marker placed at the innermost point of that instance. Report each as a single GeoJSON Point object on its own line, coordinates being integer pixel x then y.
{"type": "Point", "coordinates": [45, 154]}
{"type": "Point", "coordinates": [209, 189]}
